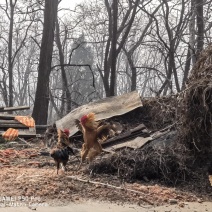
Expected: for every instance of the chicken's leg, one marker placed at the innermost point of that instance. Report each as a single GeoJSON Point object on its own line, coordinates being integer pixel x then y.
{"type": "Point", "coordinates": [84, 153]}
{"type": "Point", "coordinates": [58, 166]}
{"type": "Point", "coordinates": [64, 166]}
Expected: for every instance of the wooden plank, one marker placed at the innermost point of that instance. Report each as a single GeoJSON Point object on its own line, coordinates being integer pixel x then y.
{"type": "Point", "coordinates": [9, 121]}
{"type": "Point", "coordinates": [138, 128]}
{"type": "Point", "coordinates": [6, 116]}
{"type": "Point", "coordinates": [5, 109]}
{"type": "Point", "coordinates": [134, 144]}
{"type": "Point", "coordinates": [139, 131]}
{"type": "Point", "coordinates": [14, 125]}
{"type": "Point", "coordinates": [41, 127]}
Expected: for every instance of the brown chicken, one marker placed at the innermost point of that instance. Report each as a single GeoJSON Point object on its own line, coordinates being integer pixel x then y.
{"type": "Point", "coordinates": [61, 153]}
{"type": "Point", "coordinates": [91, 132]}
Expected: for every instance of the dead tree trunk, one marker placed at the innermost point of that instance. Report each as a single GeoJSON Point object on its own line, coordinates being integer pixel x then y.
{"type": "Point", "coordinates": [40, 111]}
{"type": "Point", "coordinates": [63, 73]}
{"type": "Point", "coordinates": [200, 26]}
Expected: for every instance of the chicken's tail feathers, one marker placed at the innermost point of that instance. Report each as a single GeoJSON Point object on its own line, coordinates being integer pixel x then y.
{"type": "Point", "coordinates": [106, 130]}
{"type": "Point", "coordinates": [78, 124]}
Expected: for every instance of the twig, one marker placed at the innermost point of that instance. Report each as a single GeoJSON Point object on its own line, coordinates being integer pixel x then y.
{"type": "Point", "coordinates": [21, 139]}
{"type": "Point", "coordinates": [110, 186]}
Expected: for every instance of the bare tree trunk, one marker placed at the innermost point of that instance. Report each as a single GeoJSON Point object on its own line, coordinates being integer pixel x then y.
{"type": "Point", "coordinates": [187, 68]}
{"type": "Point", "coordinates": [40, 110]}
{"type": "Point", "coordinates": [113, 48]}
{"type": "Point", "coordinates": [200, 27]}
{"type": "Point", "coordinates": [133, 70]}
{"type": "Point", "coordinates": [192, 32]}
{"type": "Point", "coordinates": [10, 45]}
{"type": "Point", "coordinates": [63, 73]}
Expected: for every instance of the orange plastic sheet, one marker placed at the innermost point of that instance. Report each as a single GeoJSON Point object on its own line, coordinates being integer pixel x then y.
{"type": "Point", "coordinates": [26, 120]}
{"type": "Point", "coordinates": [10, 135]}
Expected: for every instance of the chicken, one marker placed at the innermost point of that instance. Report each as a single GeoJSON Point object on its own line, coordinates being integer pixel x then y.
{"type": "Point", "coordinates": [63, 138]}
{"type": "Point", "coordinates": [61, 156]}
{"type": "Point", "coordinates": [61, 153]}
{"type": "Point", "coordinates": [91, 132]}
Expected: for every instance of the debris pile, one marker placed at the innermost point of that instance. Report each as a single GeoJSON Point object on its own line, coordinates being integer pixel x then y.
{"type": "Point", "coordinates": [195, 107]}
{"type": "Point", "coordinates": [159, 112]}
{"type": "Point", "coordinates": [169, 165]}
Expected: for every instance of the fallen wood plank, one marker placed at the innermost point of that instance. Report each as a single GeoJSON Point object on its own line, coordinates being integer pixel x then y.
{"type": "Point", "coordinates": [5, 109]}
{"type": "Point", "coordinates": [134, 144]}
{"type": "Point", "coordinates": [104, 109]}
{"type": "Point", "coordinates": [41, 127]}
{"type": "Point", "coordinates": [127, 136]}
{"type": "Point", "coordinates": [18, 125]}
{"type": "Point", "coordinates": [138, 128]}
{"type": "Point", "coordinates": [9, 122]}
{"type": "Point", "coordinates": [6, 116]}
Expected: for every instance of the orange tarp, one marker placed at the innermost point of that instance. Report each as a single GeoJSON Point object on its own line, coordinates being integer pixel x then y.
{"type": "Point", "coordinates": [26, 120]}
{"type": "Point", "coordinates": [10, 135]}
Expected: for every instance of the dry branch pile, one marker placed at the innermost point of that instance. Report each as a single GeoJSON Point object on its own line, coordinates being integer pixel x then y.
{"type": "Point", "coordinates": [156, 113]}
{"type": "Point", "coordinates": [169, 165]}
{"type": "Point", "coordinates": [195, 106]}
{"type": "Point", "coordinates": [159, 112]}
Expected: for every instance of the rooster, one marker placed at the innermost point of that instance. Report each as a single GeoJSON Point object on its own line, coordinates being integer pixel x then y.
{"type": "Point", "coordinates": [91, 132]}
{"type": "Point", "coordinates": [61, 153]}
{"type": "Point", "coordinates": [61, 156]}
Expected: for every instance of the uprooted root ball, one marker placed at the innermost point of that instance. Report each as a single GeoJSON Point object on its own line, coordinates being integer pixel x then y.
{"type": "Point", "coordinates": [169, 164]}
{"type": "Point", "coordinates": [195, 107]}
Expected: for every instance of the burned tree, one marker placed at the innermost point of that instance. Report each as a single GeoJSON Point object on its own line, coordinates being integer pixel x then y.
{"type": "Point", "coordinates": [40, 111]}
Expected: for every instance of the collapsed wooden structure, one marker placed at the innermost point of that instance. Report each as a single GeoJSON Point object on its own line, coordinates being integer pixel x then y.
{"type": "Point", "coordinates": [8, 121]}
{"type": "Point", "coordinates": [109, 109]}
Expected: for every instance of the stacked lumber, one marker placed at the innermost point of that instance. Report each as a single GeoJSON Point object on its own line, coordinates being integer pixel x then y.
{"type": "Point", "coordinates": [9, 121]}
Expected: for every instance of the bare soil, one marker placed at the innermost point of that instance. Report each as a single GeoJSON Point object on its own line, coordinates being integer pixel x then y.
{"type": "Point", "coordinates": [32, 175]}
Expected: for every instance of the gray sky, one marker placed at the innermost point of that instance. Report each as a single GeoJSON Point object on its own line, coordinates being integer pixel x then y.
{"type": "Point", "coordinates": [69, 3]}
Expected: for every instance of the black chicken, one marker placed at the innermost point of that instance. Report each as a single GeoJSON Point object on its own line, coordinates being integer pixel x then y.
{"type": "Point", "coordinates": [62, 151]}
{"type": "Point", "coordinates": [61, 156]}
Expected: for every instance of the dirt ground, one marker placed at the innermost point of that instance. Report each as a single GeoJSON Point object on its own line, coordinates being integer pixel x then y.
{"type": "Point", "coordinates": [90, 206]}
{"type": "Point", "coordinates": [26, 177]}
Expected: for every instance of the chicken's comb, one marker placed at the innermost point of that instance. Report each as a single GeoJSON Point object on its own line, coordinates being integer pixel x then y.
{"type": "Point", "coordinates": [83, 118]}
{"type": "Point", "coordinates": [66, 131]}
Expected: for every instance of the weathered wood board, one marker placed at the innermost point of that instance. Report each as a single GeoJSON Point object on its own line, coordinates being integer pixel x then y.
{"type": "Point", "coordinates": [134, 144]}
{"type": "Point", "coordinates": [6, 116]}
{"type": "Point", "coordinates": [5, 109]}
{"type": "Point", "coordinates": [104, 109]}
{"type": "Point", "coordinates": [8, 121]}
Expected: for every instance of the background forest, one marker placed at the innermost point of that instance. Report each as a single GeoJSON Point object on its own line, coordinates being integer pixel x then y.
{"type": "Point", "coordinates": [56, 59]}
